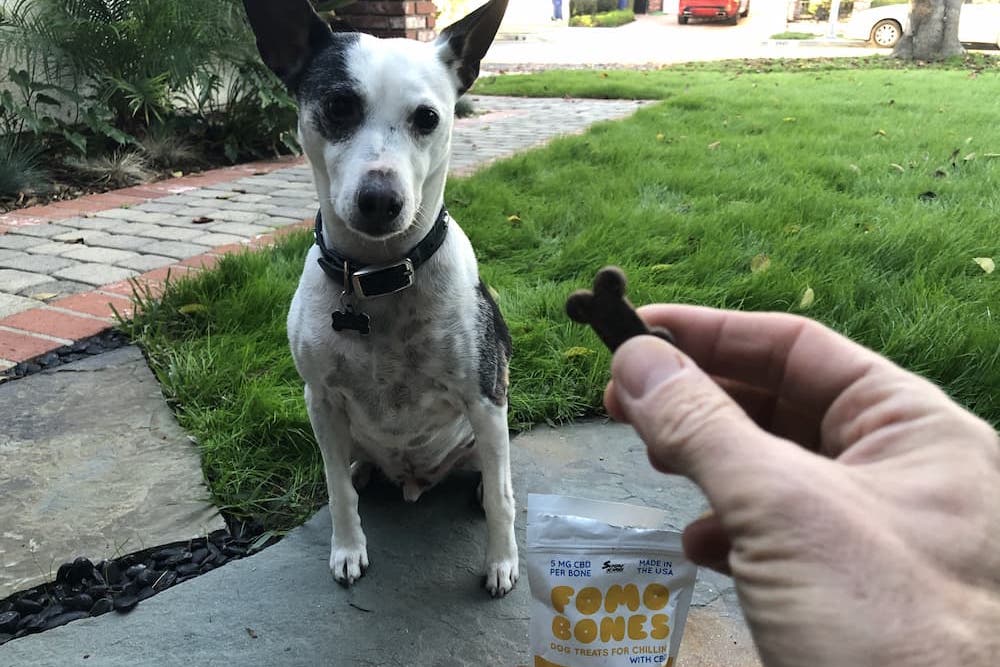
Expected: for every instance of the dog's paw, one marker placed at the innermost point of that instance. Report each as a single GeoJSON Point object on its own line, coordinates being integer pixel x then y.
{"type": "Point", "coordinates": [501, 575]}
{"type": "Point", "coordinates": [348, 564]}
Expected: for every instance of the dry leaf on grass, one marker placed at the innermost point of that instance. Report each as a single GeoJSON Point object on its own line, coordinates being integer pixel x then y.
{"type": "Point", "coordinates": [760, 263]}
{"type": "Point", "coordinates": [808, 298]}
{"type": "Point", "coordinates": [985, 263]}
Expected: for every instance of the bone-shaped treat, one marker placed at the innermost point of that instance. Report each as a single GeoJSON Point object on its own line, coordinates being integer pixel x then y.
{"type": "Point", "coordinates": [608, 312]}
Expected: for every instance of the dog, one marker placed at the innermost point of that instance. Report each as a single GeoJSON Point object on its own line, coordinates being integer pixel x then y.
{"type": "Point", "coordinates": [403, 350]}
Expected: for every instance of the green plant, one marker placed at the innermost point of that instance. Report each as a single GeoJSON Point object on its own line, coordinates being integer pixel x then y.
{"type": "Point", "coordinates": [164, 148]}
{"type": "Point", "coordinates": [98, 74]}
{"type": "Point", "coordinates": [591, 7]}
{"type": "Point", "coordinates": [20, 167]}
{"type": "Point", "coordinates": [793, 35]}
{"type": "Point", "coordinates": [119, 169]}
{"type": "Point", "coordinates": [604, 19]}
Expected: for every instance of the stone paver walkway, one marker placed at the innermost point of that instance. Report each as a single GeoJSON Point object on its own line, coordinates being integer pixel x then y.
{"type": "Point", "coordinates": [65, 266]}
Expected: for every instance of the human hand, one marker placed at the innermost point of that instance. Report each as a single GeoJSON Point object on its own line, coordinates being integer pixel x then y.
{"type": "Point", "coordinates": [856, 506]}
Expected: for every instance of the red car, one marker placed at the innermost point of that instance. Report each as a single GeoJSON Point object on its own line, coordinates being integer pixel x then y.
{"type": "Point", "coordinates": [729, 11]}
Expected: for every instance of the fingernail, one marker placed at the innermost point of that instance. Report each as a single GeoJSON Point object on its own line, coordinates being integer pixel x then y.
{"type": "Point", "coordinates": [644, 363]}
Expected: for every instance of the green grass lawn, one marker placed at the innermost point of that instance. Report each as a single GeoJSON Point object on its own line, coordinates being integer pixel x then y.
{"type": "Point", "coordinates": [740, 189]}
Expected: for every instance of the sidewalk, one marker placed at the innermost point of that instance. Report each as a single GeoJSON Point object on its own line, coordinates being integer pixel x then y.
{"type": "Point", "coordinates": [421, 602]}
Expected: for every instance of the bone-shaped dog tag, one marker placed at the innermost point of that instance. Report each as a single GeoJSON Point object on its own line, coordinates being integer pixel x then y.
{"type": "Point", "coordinates": [351, 321]}
{"type": "Point", "coordinates": [608, 312]}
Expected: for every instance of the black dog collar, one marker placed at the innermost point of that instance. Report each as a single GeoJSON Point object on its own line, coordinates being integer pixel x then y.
{"type": "Point", "coordinates": [372, 280]}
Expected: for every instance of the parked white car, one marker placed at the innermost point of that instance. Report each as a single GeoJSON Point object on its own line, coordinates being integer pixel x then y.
{"type": "Point", "coordinates": [883, 26]}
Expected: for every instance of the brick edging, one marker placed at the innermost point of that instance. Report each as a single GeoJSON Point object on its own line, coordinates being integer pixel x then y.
{"type": "Point", "coordinates": [35, 332]}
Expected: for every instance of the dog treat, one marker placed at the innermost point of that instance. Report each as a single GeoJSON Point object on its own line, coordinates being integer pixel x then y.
{"type": "Point", "coordinates": [609, 587]}
{"type": "Point", "coordinates": [608, 311]}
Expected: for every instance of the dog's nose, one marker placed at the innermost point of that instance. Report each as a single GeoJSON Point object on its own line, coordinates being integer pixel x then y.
{"type": "Point", "coordinates": [379, 203]}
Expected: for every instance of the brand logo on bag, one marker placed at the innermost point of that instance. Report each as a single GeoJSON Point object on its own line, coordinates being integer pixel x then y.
{"type": "Point", "coordinates": [610, 567]}
{"type": "Point", "coordinates": [612, 625]}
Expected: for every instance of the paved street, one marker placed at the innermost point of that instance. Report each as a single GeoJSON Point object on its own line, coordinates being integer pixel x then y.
{"type": "Point", "coordinates": [659, 39]}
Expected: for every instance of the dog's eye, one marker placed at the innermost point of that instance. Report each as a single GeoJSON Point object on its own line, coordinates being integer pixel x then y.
{"type": "Point", "coordinates": [342, 107]}
{"type": "Point", "coordinates": [425, 120]}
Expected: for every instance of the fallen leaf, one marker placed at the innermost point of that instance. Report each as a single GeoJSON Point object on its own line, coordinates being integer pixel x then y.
{"type": "Point", "coordinates": [969, 157]}
{"type": "Point", "coordinates": [44, 296]}
{"type": "Point", "coordinates": [192, 308]}
{"type": "Point", "coordinates": [793, 229]}
{"type": "Point", "coordinates": [715, 144]}
{"type": "Point", "coordinates": [660, 136]}
{"type": "Point", "coordinates": [855, 168]}
{"type": "Point", "coordinates": [201, 220]}
{"type": "Point", "coordinates": [177, 174]}
{"type": "Point", "coordinates": [897, 167]}
{"type": "Point", "coordinates": [808, 298]}
{"type": "Point", "coordinates": [661, 268]}
{"type": "Point", "coordinates": [514, 220]}
{"type": "Point", "coordinates": [604, 75]}
{"type": "Point", "coordinates": [985, 263]}
{"type": "Point", "coordinates": [252, 633]}
{"type": "Point", "coordinates": [577, 351]}
{"type": "Point", "coordinates": [790, 119]}
{"type": "Point", "coordinates": [760, 263]}
{"type": "Point", "coordinates": [880, 132]}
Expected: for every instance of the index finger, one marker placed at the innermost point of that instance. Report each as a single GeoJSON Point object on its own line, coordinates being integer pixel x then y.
{"type": "Point", "coordinates": [793, 357]}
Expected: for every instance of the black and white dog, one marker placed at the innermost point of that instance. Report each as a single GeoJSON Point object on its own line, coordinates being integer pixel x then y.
{"type": "Point", "coordinates": [403, 351]}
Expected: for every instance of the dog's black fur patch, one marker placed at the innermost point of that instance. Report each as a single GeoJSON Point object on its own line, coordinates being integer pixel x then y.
{"type": "Point", "coordinates": [327, 86]}
{"type": "Point", "coordinates": [495, 351]}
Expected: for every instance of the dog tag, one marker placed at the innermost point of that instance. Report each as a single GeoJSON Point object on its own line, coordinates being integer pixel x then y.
{"type": "Point", "coordinates": [351, 321]}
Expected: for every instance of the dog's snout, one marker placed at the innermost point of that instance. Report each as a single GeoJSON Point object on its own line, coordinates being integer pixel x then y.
{"type": "Point", "coordinates": [379, 202]}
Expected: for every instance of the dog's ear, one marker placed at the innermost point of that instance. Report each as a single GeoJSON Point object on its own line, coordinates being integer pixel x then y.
{"type": "Point", "coordinates": [464, 43]}
{"type": "Point", "coordinates": [288, 33]}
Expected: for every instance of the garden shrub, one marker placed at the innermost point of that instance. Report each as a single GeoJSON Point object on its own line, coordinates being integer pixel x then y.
{"type": "Point", "coordinates": [592, 7]}
{"type": "Point", "coordinates": [603, 20]}
{"type": "Point", "coordinates": [92, 77]}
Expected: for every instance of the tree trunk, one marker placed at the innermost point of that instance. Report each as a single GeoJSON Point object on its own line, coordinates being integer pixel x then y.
{"type": "Point", "coordinates": [933, 33]}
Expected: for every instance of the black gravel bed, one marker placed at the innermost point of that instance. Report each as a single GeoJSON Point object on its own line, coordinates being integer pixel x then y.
{"type": "Point", "coordinates": [83, 589]}
{"type": "Point", "coordinates": [106, 341]}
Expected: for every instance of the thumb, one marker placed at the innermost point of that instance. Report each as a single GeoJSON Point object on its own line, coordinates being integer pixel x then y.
{"type": "Point", "coordinates": [691, 426]}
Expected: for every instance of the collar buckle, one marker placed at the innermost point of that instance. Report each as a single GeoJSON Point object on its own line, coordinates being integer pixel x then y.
{"type": "Point", "coordinates": [383, 279]}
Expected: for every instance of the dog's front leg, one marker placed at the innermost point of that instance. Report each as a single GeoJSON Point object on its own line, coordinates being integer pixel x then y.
{"type": "Point", "coordinates": [489, 422]}
{"type": "Point", "coordinates": [348, 545]}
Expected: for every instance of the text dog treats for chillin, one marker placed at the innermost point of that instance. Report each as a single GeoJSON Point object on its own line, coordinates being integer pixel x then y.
{"type": "Point", "coordinates": [608, 586]}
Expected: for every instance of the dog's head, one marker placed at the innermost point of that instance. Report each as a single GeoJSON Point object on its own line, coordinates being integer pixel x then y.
{"type": "Point", "coordinates": [375, 115]}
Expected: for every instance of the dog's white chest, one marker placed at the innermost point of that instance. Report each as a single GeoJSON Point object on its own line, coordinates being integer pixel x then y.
{"type": "Point", "coordinates": [403, 387]}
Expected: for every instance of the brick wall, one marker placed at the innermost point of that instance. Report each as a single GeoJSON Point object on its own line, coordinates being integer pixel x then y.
{"type": "Point", "coordinates": [413, 19]}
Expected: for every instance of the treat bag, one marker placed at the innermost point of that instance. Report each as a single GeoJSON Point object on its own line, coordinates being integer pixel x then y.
{"type": "Point", "coordinates": [608, 586]}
